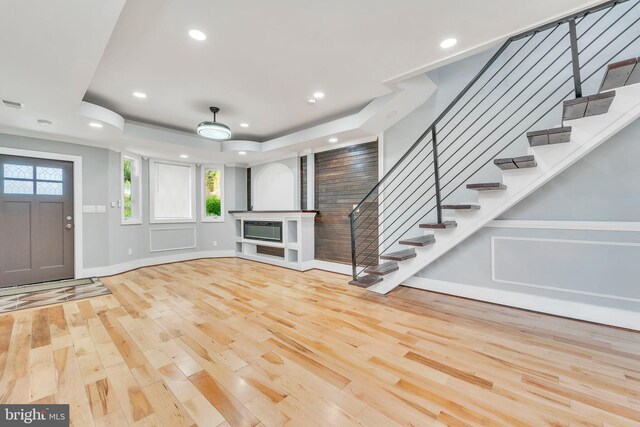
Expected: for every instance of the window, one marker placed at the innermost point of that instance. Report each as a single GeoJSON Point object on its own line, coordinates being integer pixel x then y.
{"type": "Point", "coordinates": [19, 179]}
{"type": "Point", "coordinates": [212, 182]}
{"type": "Point", "coordinates": [172, 191]}
{"type": "Point", "coordinates": [131, 184]}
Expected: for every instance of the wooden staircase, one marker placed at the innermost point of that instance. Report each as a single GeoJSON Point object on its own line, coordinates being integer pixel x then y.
{"type": "Point", "coordinates": [547, 158]}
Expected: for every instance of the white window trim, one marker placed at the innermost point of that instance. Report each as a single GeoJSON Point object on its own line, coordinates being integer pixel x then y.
{"type": "Point", "coordinates": [152, 185]}
{"type": "Point", "coordinates": [203, 201]}
{"type": "Point", "coordinates": [137, 220]}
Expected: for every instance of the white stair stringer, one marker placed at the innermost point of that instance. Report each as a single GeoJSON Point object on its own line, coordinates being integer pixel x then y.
{"type": "Point", "coordinates": [587, 134]}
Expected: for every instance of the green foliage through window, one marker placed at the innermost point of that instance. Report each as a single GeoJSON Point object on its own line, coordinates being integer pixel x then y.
{"type": "Point", "coordinates": [212, 193]}
{"type": "Point", "coordinates": [127, 187]}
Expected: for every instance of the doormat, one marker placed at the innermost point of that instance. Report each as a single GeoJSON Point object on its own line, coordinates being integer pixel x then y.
{"type": "Point", "coordinates": [29, 296]}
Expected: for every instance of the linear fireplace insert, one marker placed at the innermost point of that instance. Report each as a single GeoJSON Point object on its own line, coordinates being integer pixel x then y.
{"type": "Point", "coordinates": [270, 231]}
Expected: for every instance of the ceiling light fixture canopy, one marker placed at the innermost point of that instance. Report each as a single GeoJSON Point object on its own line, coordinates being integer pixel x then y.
{"type": "Point", "coordinates": [213, 129]}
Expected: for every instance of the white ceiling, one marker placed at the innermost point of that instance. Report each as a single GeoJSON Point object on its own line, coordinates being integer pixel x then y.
{"type": "Point", "coordinates": [260, 63]}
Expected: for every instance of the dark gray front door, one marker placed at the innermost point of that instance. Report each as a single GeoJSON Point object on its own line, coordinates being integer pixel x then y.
{"type": "Point", "coordinates": [36, 220]}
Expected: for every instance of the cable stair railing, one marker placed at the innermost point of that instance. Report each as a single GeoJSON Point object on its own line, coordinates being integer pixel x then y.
{"type": "Point", "coordinates": [528, 80]}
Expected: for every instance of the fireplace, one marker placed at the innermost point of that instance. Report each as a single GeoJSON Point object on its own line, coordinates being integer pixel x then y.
{"type": "Point", "coordinates": [270, 231]}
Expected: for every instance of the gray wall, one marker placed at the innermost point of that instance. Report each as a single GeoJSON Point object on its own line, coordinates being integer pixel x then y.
{"type": "Point", "coordinates": [603, 186]}
{"type": "Point", "coordinates": [105, 240]}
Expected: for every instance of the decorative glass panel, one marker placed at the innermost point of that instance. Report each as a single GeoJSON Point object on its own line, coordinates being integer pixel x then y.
{"type": "Point", "coordinates": [212, 192]}
{"type": "Point", "coordinates": [49, 174]}
{"type": "Point", "coordinates": [18, 171]}
{"type": "Point", "coordinates": [49, 188]}
{"type": "Point", "coordinates": [18, 187]}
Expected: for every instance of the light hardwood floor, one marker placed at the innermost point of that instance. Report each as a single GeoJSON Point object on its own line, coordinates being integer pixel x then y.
{"type": "Point", "coordinates": [231, 342]}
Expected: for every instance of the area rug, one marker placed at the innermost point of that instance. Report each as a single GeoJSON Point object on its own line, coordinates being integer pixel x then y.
{"type": "Point", "coordinates": [29, 296]}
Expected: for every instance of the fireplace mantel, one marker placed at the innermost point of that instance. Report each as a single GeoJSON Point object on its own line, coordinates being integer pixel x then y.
{"type": "Point", "coordinates": [297, 247]}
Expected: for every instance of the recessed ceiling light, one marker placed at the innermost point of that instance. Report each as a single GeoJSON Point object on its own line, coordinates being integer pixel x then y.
{"type": "Point", "coordinates": [184, 156]}
{"type": "Point", "coordinates": [242, 153]}
{"type": "Point", "coordinates": [311, 101]}
{"type": "Point", "coordinates": [43, 122]}
{"type": "Point", "coordinates": [333, 140]}
{"type": "Point", "coordinates": [197, 35]}
{"type": "Point", "coordinates": [447, 43]}
{"type": "Point", "coordinates": [95, 125]}
{"type": "Point", "coordinates": [244, 125]}
{"type": "Point", "coordinates": [318, 95]}
{"type": "Point", "coordinates": [140, 95]}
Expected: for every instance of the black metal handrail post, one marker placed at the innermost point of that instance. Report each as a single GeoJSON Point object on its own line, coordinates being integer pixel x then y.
{"type": "Point", "coordinates": [353, 246]}
{"type": "Point", "coordinates": [436, 174]}
{"type": "Point", "coordinates": [575, 60]}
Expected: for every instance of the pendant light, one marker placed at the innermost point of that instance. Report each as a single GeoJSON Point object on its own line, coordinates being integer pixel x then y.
{"type": "Point", "coordinates": [213, 129]}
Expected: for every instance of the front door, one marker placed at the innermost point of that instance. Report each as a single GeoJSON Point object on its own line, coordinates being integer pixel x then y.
{"type": "Point", "coordinates": [36, 220]}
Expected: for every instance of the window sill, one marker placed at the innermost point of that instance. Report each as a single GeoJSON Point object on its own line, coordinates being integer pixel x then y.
{"type": "Point", "coordinates": [131, 222]}
{"type": "Point", "coordinates": [215, 219]}
{"type": "Point", "coordinates": [172, 221]}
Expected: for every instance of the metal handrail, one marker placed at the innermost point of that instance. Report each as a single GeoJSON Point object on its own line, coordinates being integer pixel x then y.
{"type": "Point", "coordinates": [434, 129]}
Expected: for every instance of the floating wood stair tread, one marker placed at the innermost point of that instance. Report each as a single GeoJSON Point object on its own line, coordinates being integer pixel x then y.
{"type": "Point", "coordinates": [487, 186]}
{"type": "Point", "coordinates": [468, 206]}
{"type": "Point", "coordinates": [425, 240]}
{"type": "Point", "coordinates": [587, 106]}
{"type": "Point", "coordinates": [400, 255]}
{"type": "Point", "coordinates": [382, 269]}
{"type": "Point", "coordinates": [549, 136]}
{"type": "Point", "coordinates": [621, 74]}
{"type": "Point", "coordinates": [366, 281]}
{"type": "Point", "coordinates": [440, 225]}
{"type": "Point", "coordinates": [516, 162]}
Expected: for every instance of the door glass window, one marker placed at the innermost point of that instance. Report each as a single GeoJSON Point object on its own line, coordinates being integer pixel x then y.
{"type": "Point", "coordinates": [18, 179]}
{"type": "Point", "coordinates": [18, 171]}
{"type": "Point", "coordinates": [49, 181]}
{"type": "Point", "coordinates": [48, 174]}
{"type": "Point", "coordinates": [18, 187]}
{"type": "Point", "coordinates": [49, 188]}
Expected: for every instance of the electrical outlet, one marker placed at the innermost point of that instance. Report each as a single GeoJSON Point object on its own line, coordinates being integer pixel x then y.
{"type": "Point", "coordinates": [130, 251]}
{"type": "Point", "coordinates": [215, 243]}
{"type": "Point", "coordinates": [101, 208]}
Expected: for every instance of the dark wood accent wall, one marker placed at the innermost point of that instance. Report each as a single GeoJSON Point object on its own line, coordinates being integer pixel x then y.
{"type": "Point", "coordinates": [268, 250]}
{"type": "Point", "coordinates": [343, 177]}
{"type": "Point", "coordinates": [249, 205]}
{"type": "Point", "coordinates": [303, 182]}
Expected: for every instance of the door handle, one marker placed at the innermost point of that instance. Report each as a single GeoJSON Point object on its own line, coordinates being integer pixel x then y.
{"type": "Point", "coordinates": [68, 226]}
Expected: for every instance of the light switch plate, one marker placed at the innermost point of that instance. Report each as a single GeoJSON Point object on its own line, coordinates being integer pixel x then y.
{"type": "Point", "coordinates": [89, 208]}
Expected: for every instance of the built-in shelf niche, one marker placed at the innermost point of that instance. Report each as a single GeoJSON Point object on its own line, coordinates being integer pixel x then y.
{"type": "Point", "coordinates": [292, 255]}
{"type": "Point", "coordinates": [292, 231]}
{"type": "Point", "coordinates": [297, 247]}
{"type": "Point", "coordinates": [239, 228]}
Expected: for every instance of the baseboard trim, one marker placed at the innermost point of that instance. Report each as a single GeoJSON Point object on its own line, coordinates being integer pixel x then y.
{"type": "Point", "coordinates": [111, 270]}
{"type": "Point", "coordinates": [333, 267]}
{"type": "Point", "coordinates": [574, 310]}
